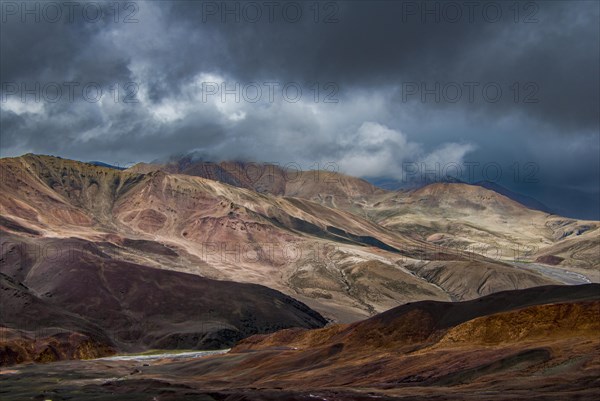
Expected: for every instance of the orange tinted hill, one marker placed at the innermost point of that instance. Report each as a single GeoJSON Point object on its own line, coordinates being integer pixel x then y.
{"type": "Point", "coordinates": [538, 343]}
{"type": "Point", "coordinates": [512, 342]}
{"type": "Point", "coordinates": [422, 322]}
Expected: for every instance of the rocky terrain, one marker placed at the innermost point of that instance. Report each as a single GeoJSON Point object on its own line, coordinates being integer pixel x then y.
{"type": "Point", "coordinates": [81, 297]}
{"type": "Point", "coordinates": [120, 259]}
{"type": "Point", "coordinates": [474, 219]}
{"type": "Point", "coordinates": [483, 218]}
{"type": "Point", "coordinates": [504, 346]}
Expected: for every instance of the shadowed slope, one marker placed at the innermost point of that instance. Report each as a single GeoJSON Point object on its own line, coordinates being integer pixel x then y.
{"type": "Point", "coordinates": [515, 340]}
{"type": "Point", "coordinates": [130, 307]}
{"type": "Point", "coordinates": [421, 321]}
{"type": "Point", "coordinates": [539, 343]}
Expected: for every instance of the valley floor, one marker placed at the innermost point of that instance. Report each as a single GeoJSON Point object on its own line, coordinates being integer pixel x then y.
{"type": "Point", "coordinates": [159, 379]}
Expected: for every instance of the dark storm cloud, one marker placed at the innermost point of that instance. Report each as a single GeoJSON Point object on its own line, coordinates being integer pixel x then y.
{"type": "Point", "coordinates": [552, 44]}
{"type": "Point", "coordinates": [379, 56]}
{"type": "Point", "coordinates": [49, 51]}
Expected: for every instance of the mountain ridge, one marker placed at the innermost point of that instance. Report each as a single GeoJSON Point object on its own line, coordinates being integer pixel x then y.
{"type": "Point", "coordinates": [346, 254]}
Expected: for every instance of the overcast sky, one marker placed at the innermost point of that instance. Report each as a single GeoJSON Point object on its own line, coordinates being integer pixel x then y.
{"type": "Point", "coordinates": [379, 89]}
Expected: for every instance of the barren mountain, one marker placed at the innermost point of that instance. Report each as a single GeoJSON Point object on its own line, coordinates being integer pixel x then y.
{"type": "Point", "coordinates": [289, 180]}
{"type": "Point", "coordinates": [342, 265]}
{"type": "Point", "coordinates": [527, 201]}
{"type": "Point", "coordinates": [472, 219]}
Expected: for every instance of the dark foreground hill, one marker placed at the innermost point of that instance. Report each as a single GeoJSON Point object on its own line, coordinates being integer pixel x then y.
{"type": "Point", "coordinates": [80, 303]}
{"type": "Point", "coordinates": [539, 343]}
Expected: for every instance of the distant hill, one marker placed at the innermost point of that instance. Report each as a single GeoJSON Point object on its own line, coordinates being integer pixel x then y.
{"type": "Point", "coordinates": [102, 164]}
{"type": "Point", "coordinates": [391, 184]}
{"type": "Point", "coordinates": [268, 178]}
{"type": "Point", "coordinates": [524, 200]}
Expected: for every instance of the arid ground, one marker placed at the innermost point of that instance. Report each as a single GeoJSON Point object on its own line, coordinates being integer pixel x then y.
{"type": "Point", "coordinates": [324, 287]}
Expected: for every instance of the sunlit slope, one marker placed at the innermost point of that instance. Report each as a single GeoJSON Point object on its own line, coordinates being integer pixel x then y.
{"type": "Point", "coordinates": [342, 264]}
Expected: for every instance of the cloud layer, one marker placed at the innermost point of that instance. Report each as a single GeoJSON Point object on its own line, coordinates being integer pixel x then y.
{"type": "Point", "coordinates": [369, 86]}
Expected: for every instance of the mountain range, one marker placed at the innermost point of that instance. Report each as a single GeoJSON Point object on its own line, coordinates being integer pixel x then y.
{"type": "Point", "coordinates": [189, 254]}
